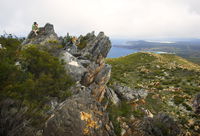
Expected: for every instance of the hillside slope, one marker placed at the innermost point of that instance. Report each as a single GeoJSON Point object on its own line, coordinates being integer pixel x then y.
{"type": "Point", "coordinates": [171, 82]}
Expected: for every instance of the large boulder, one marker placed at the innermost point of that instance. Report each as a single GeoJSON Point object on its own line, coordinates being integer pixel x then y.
{"type": "Point", "coordinates": [46, 35]}
{"type": "Point", "coordinates": [72, 49]}
{"type": "Point", "coordinates": [126, 93]}
{"type": "Point", "coordinates": [112, 96]}
{"type": "Point", "coordinates": [73, 66]}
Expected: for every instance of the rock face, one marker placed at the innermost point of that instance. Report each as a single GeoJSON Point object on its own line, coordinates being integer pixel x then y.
{"type": "Point", "coordinates": [97, 47]}
{"type": "Point", "coordinates": [91, 71]}
{"type": "Point", "coordinates": [73, 66]}
{"type": "Point", "coordinates": [196, 104]}
{"type": "Point", "coordinates": [78, 116]}
{"type": "Point", "coordinates": [111, 95]}
{"type": "Point", "coordinates": [99, 82]}
{"type": "Point", "coordinates": [72, 49]}
{"type": "Point", "coordinates": [91, 58]}
{"type": "Point", "coordinates": [81, 114]}
{"type": "Point", "coordinates": [45, 35]}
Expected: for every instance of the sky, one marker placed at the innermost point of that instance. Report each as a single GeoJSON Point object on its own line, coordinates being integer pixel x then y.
{"type": "Point", "coordinates": [136, 19]}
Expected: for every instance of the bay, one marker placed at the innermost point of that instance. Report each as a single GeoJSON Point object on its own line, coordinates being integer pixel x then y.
{"type": "Point", "coordinates": [116, 52]}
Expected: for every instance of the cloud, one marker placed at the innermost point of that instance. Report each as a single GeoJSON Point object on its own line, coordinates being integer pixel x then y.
{"type": "Point", "coordinates": [117, 18]}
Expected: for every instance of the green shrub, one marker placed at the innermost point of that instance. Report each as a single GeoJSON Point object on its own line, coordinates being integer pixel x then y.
{"type": "Point", "coordinates": [178, 100]}
{"type": "Point", "coordinates": [37, 78]}
{"type": "Point", "coordinates": [187, 106]}
{"type": "Point", "coordinates": [38, 62]}
{"type": "Point", "coordinates": [122, 110]}
{"type": "Point", "coordinates": [53, 41]}
{"type": "Point", "coordinates": [12, 46]}
{"type": "Point", "coordinates": [83, 42]}
{"type": "Point", "coordinates": [138, 113]}
{"type": "Point", "coordinates": [53, 49]}
{"type": "Point", "coordinates": [159, 87]}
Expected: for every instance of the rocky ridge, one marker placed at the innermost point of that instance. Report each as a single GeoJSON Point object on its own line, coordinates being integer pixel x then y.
{"type": "Point", "coordinates": [92, 78]}
{"type": "Point", "coordinates": [81, 114]}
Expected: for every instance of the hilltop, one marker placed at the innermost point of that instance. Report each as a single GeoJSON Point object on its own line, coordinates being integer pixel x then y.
{"type": "Point", "coordinates": [55, 86]}
{"type": "Point", "coordinates": [170, 81]}
{"type": "Point", "coordinates": [151, 63]}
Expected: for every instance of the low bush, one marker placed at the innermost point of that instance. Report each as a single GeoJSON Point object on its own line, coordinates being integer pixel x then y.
{"type": "Point", "coordinates": [32, 76]}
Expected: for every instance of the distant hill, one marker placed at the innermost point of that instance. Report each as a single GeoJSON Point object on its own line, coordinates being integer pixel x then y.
{"type": "Point", "coordinates": [188, 49]}
{"type": "Point", "coordinates": [171, 82]}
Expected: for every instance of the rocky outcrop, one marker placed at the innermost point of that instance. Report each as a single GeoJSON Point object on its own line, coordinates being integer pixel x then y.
{"type": "Point", "coordinates": [126, 93]}
{"type": "Point", "coordinates": [196, 104]}
{"type": "Point", "coordinates": [46, 35]}
{"type": "Point", "coordinates": [98, 85]}
{"type": "Point", "coordinates": [79, 116]}
{"type": "Point", "coordinates": [111, 95]}
{"type": "Point", "coordinates": [87, 65]}
{"type": "Point", "coordinates": [73, 66]}
{"type": "Point", "coordinates": [97, 47]}
{"type": "Point", "coordinates": [160, 125]}
{"type": "Point", "coordinates": [72, 49]}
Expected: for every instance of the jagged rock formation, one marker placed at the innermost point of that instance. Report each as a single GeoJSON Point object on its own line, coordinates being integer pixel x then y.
{"type": "Point", "coordinates": [45, 35]}
{"type": "Point", "coordinates": [82, 114]}
{"type": "Point", "coordinates": [112, 96]}
{"type": "Point", "coordinates": [97, 47]}
{"type": "Point", "coordinates": [88, 67]}
{"type": "Point", "coordinates": [91, 58]}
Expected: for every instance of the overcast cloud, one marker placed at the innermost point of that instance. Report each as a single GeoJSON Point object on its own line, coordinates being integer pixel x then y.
{"type": "Point", "coordinates": [117, 18]}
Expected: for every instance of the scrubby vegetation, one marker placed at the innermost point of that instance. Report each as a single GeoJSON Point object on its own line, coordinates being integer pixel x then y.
{"type": "Point", "coordinates": [171, 81]}
{"type": "Point", "coordinates": [115, 112]}
{"type": "Point", "coordinates": [32, 76]}
{"type": "Point", "coordinates": [83, 42]}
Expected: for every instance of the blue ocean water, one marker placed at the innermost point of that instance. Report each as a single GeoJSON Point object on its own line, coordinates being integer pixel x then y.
{"type": "Point", "coordinates": [116, 52]}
